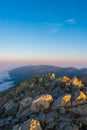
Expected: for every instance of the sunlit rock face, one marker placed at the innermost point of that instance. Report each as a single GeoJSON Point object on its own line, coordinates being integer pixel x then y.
{"type": "Point", "coordinates": [45, 103]}
{"type": "Point", "coordinates": [42, 102]}
{"type": "Point", "coordinates": [35, 125]}
{"type": "Point", "coordinates": [28, 125]}
{"type": "Point", "coordinates": [64, 79]}
{"type": "Point", "coordinates": [52, 76]}
{"type": "Point", "coordinates": [80, 99]}
{"type": "Point", "coordinates": [64, 100]}
{"type": "Point", "coordinates": [76, 82]}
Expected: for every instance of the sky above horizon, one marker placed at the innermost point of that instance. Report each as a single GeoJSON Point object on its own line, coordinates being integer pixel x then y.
{"type": "Point", "coordinates": [52, 32]}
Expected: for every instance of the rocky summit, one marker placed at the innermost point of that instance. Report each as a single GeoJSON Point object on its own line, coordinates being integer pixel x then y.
{"type": "Point", "coordinates": [45, 103]}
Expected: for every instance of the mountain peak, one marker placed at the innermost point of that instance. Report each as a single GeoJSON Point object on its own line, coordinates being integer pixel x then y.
{"type": "Point", "coordinates": [44, 102]}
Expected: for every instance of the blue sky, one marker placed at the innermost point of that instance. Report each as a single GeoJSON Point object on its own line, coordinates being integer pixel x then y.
{"type": "Point", "coordinates": [43, 32]}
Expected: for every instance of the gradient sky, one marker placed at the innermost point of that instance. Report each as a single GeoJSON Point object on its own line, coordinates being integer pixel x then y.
{"type": "Point", "coordinates": [43, 32]}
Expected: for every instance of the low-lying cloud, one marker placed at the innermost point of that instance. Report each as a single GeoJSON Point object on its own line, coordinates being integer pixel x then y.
{"type": "Point", "coordinates": [5, 81]}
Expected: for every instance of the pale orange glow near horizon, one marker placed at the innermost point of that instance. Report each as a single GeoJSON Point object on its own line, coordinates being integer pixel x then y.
{"type": "Point", "coordinates": [10, 63]}
{"type": "Point", "coordinates": [42, 33]}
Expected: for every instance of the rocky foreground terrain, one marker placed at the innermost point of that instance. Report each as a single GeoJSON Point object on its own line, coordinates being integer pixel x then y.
{"type": "Point", "coordinates": [45, 103]}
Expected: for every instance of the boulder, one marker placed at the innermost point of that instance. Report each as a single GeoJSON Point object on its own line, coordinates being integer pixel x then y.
{"type": "Point", "coordinates": [80, 109]}
{"type": "Point", "coordinates": [24, 115]}
{"type": "Point", "coordinates": [2, 122]}
{"type": "Point", "coordinates": [9, 105]}
{"type": "Point", "coordinates": [41, 79]}
{"type": "Point", "coordinates": [10, 108]}
{"type": "Point", "coordinates": [64, 100]}
{"type": "Point", "coordinates": [68, 127]}
{"type": "Point", "coordinates": [81, 120]}
{"type": "Point", "coordinates": [41, 103]}
{"type": "Point", "coordinates": [51, 116]}
{"type": "Point", "coordinates": [61, 110]}
{"type": "Point", "coordinates": [80, 99]}
{"type": "Point", "coordinates": [2, 110]}
{"type": "Point", "coordinates": [35, 125]}
{"type": "Point", "coordinates": [64, 79]}
{"type": "Point", "coordinates": [25, 103]}
{"type": "Point", "coordinates": [29, 124]}
{"type": "Point", "coordinates": [16, 127]}
{"type": "Point", "coordinates": [75, 81]}
{"type": "Point", "coordinates": [52, 76]}
{"type": "Point", "coordinates": [41, 118]}
{"type": "Point", "coordinates": [51, 126]}
{"type": "Point", "coordinates": [26, 125]}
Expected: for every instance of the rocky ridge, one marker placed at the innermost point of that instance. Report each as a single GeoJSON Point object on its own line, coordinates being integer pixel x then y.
{"type": "Point", "coordinates": [45, 103]}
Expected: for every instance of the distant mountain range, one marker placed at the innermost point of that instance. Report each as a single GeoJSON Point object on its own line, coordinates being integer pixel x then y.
{"type": "Point", "coordinates": [22, 73]}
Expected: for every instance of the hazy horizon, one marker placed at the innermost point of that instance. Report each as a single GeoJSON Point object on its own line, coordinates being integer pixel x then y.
{"type": "Point", "coordinates": [43, 32]}
{"type": "Point", "coordinates": [10, 66]}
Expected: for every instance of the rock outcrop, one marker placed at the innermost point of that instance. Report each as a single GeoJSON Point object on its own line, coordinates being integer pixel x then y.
{"type": "Point", "coordinates": [41, 103]}
{"type": "Point", "coordinates": [45, 103]}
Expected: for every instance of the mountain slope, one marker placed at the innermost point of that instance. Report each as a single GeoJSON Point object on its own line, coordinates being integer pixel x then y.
{"type": "Point", "coordinates": [22, 73]}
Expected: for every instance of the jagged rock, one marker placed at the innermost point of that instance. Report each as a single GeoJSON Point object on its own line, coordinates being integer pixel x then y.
{"type": "Point", "coordinates": [68, 85]}
{"type": "Point", "coordinates": [75, 128]}
{"type": "Point", "coordinates": [52, 76]}
{"type": "Point", "coordinates": [14, 122]}
{"type": "Point", "coordinates": [41, 103]}
{"type": "Point", "coordinates": [41, 118]}
{"type": "Point", "coordinates": [51, 126]}
{"type": "Point", "coordinates": [80, 99]}
{"type": "Point", "coordinates": [2, 110]}
{"type": "Point", "coordinates": [81, 109]}
{"type": "Point", "coordinates": [9, 105]}
{"type": "Point", "coordinates": [64, 120]}
{"type": "Point", "coordinates": [24, 104]}
{"type": "Point", "coordinates": [31, 85]}
{"type": "Point", "coordinates": [10, 118]}
{"type": "Point", "coordinates": [50, 117]}
{"type": "Point", "coordinates": [5, 122]}
{"type": "Point", "coordinates": [64, 79]}
{"type": "Point", "coordinates": [24, 115]}
{"type": "Point", "coordinates": [68, 127]}
{"type": "Point", "coordinates": [26, 125]}
{"type": "Point", "coordinates": [10, 108]}
{"type": "Point", "coordinates": [76, 82]}
{"type": "Point", "coordinates": [30, 124]}
{"type": "Point", "coordinates": [41, 79]}
{"type": "Point", "coordinates": [17, 127]}
{"type": "Point", "coordinates": [35, 125]}
{"type": "Point", "coordinates": [55, 82]}
{"type": "Point", "coordinates": [64, 100]}
{"type": "Point", "coordinates": [2, 122]}
{"type": "Point", "coordinates": [62, 110]}
{"type": "Point", "coordinates": [75, 94]}
{"type": "Point", "coordinates": [81, 121]}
